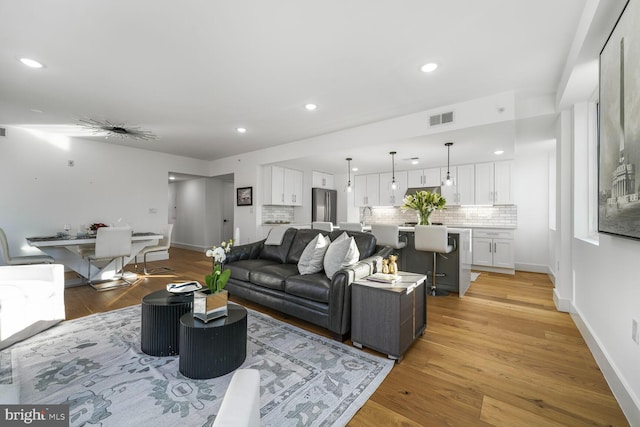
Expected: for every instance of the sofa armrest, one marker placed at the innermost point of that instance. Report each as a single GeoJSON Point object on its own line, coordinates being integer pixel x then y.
{"type": "Point", "coordinates": [340, 291]}
{"type": "Point", "coordinates": [246, 251]}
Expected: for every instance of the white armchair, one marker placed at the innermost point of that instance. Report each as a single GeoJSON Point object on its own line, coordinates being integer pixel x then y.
{"type": "Point", "coordinates": [31, 300]}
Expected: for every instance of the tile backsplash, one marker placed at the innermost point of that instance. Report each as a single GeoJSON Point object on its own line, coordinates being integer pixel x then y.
{"type": "Point", "coordinates": [273, 213]}
{"type": "Point", "coordinates": [468, 216]}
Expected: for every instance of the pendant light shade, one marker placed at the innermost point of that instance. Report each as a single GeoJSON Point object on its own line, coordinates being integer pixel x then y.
{"type": "Point", "coordinates": [349, 173]}
{"type": "Point", "coordinates": [448, 181]}
{"type": "Point", "coordinates": [394, 185]}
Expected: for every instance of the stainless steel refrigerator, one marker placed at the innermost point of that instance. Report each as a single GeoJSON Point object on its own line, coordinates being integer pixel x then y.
{"type": "Point", "coordinates": [323, 205]}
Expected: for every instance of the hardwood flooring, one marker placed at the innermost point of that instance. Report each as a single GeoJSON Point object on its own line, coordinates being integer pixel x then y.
{"type": "Point", "coordinates": [500, 356]}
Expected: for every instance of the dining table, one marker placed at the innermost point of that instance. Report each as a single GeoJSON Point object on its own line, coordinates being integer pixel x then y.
{"type": "Point", "coordinates": [64, 250]}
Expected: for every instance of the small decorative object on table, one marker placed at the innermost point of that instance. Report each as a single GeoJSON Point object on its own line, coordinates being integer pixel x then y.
{"type": "Point", "coordinates": [393, 266]}
{"type": "Point", "coordinates": [93, 228]}
{"type": "Point", "coordinates": [424, 203]}
{"type": "Point", "coordinates": [211, 303]}
{"type": "Point", "coordinates": [385, 266]}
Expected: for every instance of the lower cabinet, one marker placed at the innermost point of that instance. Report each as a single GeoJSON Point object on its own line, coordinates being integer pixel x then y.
{"type": "Point", "coordinates": [493, 248]}
{"type": "Point", "coordinates": [388, 318]}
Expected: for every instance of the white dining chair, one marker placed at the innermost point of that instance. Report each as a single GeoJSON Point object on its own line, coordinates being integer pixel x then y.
{"type": "Point", "coordinates": [111, 243]}
{"type": "Point", "coordinates": [163, 245]}
{"type": "Point", "coordinates": [350, 226]}
{"type": "Point", "coordinates": [20, 260]}
{"type": "Point", "coordinates": [321, 225]}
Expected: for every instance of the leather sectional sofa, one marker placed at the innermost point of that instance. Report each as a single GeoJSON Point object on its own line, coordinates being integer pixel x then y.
{"type": "Point", "coordinates": [268, 275]}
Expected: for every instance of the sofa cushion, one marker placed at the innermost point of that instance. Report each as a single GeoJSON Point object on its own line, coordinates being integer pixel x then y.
{"type": "Point", "coordinates": [299, 244]}
{"type": "Point", "coordinates": [273, 275]}
{"type": "Point", "coordinates": [366, 242]}
{"type": "Point", "coordinates": [341, 253]}
{"type": "Point", "coordinates": [311, 260]}
{"type": "Point", "coordinates": [279, 252]}
{"type": "Point", "coordinates": [311, 286]}
{"type": "Point", "coordinates": [240, 270]}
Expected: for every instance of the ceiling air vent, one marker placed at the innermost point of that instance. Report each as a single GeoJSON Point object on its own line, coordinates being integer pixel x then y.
{"type": "Point", "coordinates": [441, 119]}
{"type": "Point", "coordinates": [3, 132]}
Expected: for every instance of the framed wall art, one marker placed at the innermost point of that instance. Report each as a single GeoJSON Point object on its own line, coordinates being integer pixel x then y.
{"type": "Point", "coordinates": [619, 127]}
{"type": "Point", "coordinates": [244, 196]}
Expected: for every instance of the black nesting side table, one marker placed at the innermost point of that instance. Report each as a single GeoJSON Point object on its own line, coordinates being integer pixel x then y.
{"type": "Point", "coordinates": [160, 323]}
{"type": "Point", "coordinates": [212, 349]}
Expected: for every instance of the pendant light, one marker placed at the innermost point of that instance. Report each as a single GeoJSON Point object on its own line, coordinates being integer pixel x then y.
{"type": "Point", "coordinates": [349, 173]}
{"type": "Point", "coordinates": [394, 185]}
{"type": "Point", "coordinates": [448, 181]}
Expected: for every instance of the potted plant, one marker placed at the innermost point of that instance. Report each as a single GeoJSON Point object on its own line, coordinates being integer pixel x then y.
{"type": "Point", "coordinates": [424, 203]}
{"type": "Point", "coordinates": [211, 303]}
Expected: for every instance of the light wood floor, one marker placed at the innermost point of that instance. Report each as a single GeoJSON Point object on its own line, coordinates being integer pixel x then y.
{"type": "Point", "coordinates": [500, 356]}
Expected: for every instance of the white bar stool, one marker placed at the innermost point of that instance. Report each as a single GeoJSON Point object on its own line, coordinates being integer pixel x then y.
{"type": "Point", "coordinates": [433, 238]}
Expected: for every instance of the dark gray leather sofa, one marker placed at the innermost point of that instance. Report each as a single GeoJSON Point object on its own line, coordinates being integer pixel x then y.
{"type": "Point", "coordinates": [268, 275]}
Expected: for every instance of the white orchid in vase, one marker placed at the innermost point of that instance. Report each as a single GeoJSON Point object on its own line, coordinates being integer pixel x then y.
{"type": "Point", "coordinates": [217, 280]}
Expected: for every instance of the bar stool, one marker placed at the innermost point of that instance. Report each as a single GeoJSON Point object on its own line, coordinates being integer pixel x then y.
{"type": "Point", "coordinates": [321, 225]}
{"type": "Point", "coordinates": [350, 226]}
{"type": "Point", "coordinates": [388, 235]}
{"type": "Point", "coordinates": [433, 238]}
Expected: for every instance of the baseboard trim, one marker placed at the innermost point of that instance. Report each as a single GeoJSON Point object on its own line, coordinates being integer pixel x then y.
{"type": "Point", "coordinates": [564, 305]}
{"type": "Point", "coordinates": [532, 268]}
{"type": "Point", "coordinates": [617, 384]}
{"type": "Point", "coordinates": [189, 247]}
{"type": "Point", "coordinates": [493, 269]}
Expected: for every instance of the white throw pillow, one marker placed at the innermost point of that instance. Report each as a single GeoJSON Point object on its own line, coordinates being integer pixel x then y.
{"type": "Point", "coordinates": [313, 254]}
{"type": "Point", "coordinates": [341, 253]}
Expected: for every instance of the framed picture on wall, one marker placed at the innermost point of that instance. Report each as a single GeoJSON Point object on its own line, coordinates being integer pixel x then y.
{"type": "Point", "coordinates": [619, 127]}
{"type": "Point", "coordinates": [244, 196]}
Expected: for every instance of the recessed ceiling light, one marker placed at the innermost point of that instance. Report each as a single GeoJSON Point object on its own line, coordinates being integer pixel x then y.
{"type": "Point", "coordinates": [498, 152]}
{"type": "Point", "coordinates": [35, 110]}
{"type": "Point", "coordinates": [31, 63]}
{"type": "Point", "coordinates": [241, 130]}
{"type": "Point", "coordinates": [311, 107]}
{"type": "Point", "coordinates": [172, 177]}
{"type": "Point", "coordinates": [354, 169]}
{"type": "Point", "coordinates": [429, 67]}
{"type": "Point", "coordinates": [415, 160]}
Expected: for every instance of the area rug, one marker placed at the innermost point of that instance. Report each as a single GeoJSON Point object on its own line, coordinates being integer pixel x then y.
{"type": "Point", "coordinates": [95, 365]}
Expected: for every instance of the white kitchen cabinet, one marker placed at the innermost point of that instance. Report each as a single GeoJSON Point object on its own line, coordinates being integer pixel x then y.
{"type": "Point", "coordinates": [493, 183]}
{"type": "Point", "coordinates": [367, 190]}
{"type": "Point", "coordinates": [423, 178]}
{"type": "Point", "coordinates": [466, 185]}
{"type": "Point", "coordinates": [493, 248]}
{"type": "Point", "coordinates": [389, 196]}
{"type": "Point", "coordinates": [282, 186]}
{"type": "Point", "coordinates": [322, 180]}
{"type": "Point", "coordinates": [449, 192]}
{"type": "Point", "coordinates": [293, 187]}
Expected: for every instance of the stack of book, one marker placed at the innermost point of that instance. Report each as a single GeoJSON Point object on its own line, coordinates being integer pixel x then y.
{"type": "Point", "coordinates": [384, 278]}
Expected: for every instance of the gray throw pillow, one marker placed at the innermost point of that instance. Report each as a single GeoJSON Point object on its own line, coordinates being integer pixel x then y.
{"type": "Point", "coordinates": [313, 254]}
{"type": "Point", "coordinates": [341, 253]}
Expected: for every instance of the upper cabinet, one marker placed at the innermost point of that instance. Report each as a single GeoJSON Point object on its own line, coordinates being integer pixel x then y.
{"type": "Point", "coordinates": [367, 190]}
{"type": "Point", "coordinates": [493, 183]}
{"type": "Point", "coordinates": [322, 180]}
{"type": "Point", "coordinates": [462, 191]}
{"type": "Point", "coordinates": [389, 196]}
{"type": "Point", "coordinates": [282, 186]}
{"type": "Point", "coordinates": [423, 178]}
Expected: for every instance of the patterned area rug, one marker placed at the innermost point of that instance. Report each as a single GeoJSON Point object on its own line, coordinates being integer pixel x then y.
{"type": "Point", "coordinates": [95, 365]}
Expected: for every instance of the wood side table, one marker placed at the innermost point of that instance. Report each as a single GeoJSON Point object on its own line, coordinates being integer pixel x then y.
{"type": "Point", "coordinates": [160, 322]}
{"type": "Point", "coordinates": [215, 348]}
{"type": "Point", "coordinates": [388, 317]}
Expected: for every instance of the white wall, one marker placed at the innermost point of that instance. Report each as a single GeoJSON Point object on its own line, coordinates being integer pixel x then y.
{"type": "Point", "coordinates": [530, 187]}
{"type": "Point", "coordinates": [108, 183]}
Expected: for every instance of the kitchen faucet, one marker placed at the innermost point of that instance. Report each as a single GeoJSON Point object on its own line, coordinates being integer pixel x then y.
{"type": "Point", "coordinates": [363, 216]}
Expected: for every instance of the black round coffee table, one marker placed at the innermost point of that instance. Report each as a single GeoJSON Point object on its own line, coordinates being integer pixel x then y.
{"type": "Point", "coordinates": [160, 322]}
{"type": "Point", "coordinates": [212, 349]}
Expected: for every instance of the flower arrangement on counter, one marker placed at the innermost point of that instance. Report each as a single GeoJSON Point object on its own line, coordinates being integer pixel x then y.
{"type": "Point", "coordinates": [217, 280]}
{"type": "Point", "coordinates": [424, 203]}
